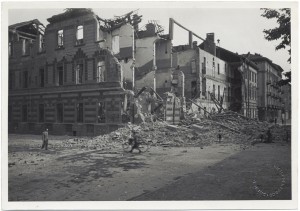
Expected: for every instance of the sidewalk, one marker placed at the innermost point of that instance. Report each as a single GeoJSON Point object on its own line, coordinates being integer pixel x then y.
{"type": "Point", "coordinates": [255, 174]}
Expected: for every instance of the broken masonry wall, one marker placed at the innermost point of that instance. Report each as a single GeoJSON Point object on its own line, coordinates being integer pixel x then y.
{"type": "Point", "coordinates": [164, 66]}
{"type": "Point", "coordinates": [187, 62]}
{"type": "Point", "coordinates": [121, 43]}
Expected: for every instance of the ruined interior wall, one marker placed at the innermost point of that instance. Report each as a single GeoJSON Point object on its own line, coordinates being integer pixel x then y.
{"type": "Point", "coordinates": [187, 63]}
{"type": "Point", "coordinates": [147, 80]}
{"type": "Point", "coordinates": [144, 56]}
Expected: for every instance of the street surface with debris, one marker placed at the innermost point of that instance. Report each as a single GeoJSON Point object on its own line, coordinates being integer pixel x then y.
{"type": "Point", "coordinates": [184, 162]}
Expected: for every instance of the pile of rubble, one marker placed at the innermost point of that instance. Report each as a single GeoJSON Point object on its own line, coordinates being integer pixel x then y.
{"type": "Point", "coordinates": [192, 131]}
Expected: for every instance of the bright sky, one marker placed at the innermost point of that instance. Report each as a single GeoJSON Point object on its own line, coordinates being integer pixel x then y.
{"type": "Point", "coordinates": [239, 29]}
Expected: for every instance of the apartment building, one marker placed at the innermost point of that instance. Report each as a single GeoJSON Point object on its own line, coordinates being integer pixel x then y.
{"type": "Point", "coordinates": [270, 104]}
{"type": "Point", "coordinates": [69, 76]}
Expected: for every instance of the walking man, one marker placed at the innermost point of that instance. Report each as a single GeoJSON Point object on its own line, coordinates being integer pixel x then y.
{"type": "Point", "coordinates": [45, 139]}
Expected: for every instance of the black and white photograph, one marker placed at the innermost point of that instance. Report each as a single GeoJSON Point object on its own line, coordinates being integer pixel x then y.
{"type": "Point", "coordinates": [173, 102]}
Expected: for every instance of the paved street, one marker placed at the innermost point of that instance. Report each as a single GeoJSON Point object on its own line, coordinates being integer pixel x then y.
{"type": "Point", "coordinates": [219, 171]}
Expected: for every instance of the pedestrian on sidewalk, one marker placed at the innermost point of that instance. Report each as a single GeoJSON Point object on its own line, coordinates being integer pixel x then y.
{"type": "Point", "coordinates": [45, 139]}
{"type": "Point", "coordinates": [219, 136]}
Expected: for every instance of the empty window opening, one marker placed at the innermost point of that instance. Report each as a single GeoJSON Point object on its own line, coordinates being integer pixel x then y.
{"type": "Point", "coordinates": [42, 78]}
{"type": "Point", "coordinates": [101, 112]}
{"type": "Point", "coordinates": [80, 112]}
{"type": "Point", "coordinates": [25, 47]}
{"type": "Point", "coordinates": [218, 69]}
{"type": "Point", "coordinates": [25, 79]}
{"type": "Point", "coordinates": [219, 92]}
{"type": "Point", "coordinates": [41, 113]}
{"type": "Point", "coordinates": [10, 49]}
{"type": "Point", "coordinates": [59, 112]}
{"type": "Point", "coordinates": [41, 43]}
{"type": "Point", "coordinates": [60, 38]}
{"type": "Point", "coordinates": [79, 35]}
{"type": "Point", "coordinates": [101, 71]}
{"type": "Point", "coordinates": [193, 89]}
{"type": "Point", "coordinates": [60, 70]}
{"type": "Point", "coordinates": [204, 87]}
{"type": "Point", "coordinates": [79, 73]}
{"type": "Point", "coordinates": [24, 113]}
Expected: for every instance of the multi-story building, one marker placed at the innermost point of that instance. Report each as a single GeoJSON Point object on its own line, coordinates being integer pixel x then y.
{"type": "Point", "coordinates": [238, 76]}
{"type": "Point", "coordinates": [69, 76]}
{"type": "Point", "coordinates": [287, 103]}
{"type": "Point", "coordinates": [270, 102]}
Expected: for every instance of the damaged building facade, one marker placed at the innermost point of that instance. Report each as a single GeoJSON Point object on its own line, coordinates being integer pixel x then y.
{"type": "Point", "coordinates": [69, 76]}
{"type": "Point", "coordinates": [84, 75]}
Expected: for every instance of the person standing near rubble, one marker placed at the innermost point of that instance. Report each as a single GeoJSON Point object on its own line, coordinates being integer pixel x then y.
{"type": "Point", "coordinates": [219, 136]}
{"type": "Point", "coordinates": [45, 139]}
{"type": "Point", "coordinates": [134, 142]}
{"type": "Point", "coordinates": [269, 136]}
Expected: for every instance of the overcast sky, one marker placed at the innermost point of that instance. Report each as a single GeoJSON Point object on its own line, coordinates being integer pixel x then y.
{"type": "Point", "coordinates": [239, 29]}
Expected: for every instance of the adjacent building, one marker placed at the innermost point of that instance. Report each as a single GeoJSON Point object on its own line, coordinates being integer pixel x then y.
{"type": "Point", "coordinates": [270, 104]}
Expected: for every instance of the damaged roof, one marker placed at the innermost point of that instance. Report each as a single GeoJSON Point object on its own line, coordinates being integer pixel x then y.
{"type": "Point", "coordinates": [70, 13]}
{"type": "Point", "coordinates": [28, 29]}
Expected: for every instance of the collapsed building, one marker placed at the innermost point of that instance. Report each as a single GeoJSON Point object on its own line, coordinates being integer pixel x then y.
{"type": "Point", "coordinates": [85, 75]}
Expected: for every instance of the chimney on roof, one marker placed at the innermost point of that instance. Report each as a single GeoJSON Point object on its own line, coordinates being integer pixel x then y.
{"type": "Point", "coordinates": [209, 44]}
{"type": "Point", "coordinates": [195, 45]}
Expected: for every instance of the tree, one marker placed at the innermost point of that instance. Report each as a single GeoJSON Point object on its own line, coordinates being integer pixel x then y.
{"type": "Point", "coordinates": [282, 32]}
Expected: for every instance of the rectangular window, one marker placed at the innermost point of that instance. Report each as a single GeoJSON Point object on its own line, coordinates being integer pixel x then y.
{"type": "Point", "coordinates": [219, 92]}
{"type": "Point", "coordinates": [60, 38]}
{"type": "Point", "coordinates": [80, 112]}
{"type": "Point", "coordinates": [24, 113]}
{"type": "Point", "coordinates": [25, 47]}
{"type": "Point", "coordinates": [10, 49]}
{"type": "Point", "coordinates": [42, 78]}
{"type": "Point", "coordinates": [60, 70]}
{"type": "Point", "coordinates": [41, 113]}
{"type": "Point", "coordinates": [79, 35]}
{"type": "Point", "coordinates": [101, 71]}
{"type": "Point", "coordinates": [59, 112]}
{"type": "Point", "coordinates": [79, 73]}
{"type": "Point", "coordinates": [25, 79]}
{"type": "Point", "coordinates": [193, 89]}
{"type": "Point", "coordinates": [214, 90]}
{"type": "Point", "coordinates": [218, 69]}
{"type": "Point", "coordinates": [101, 112]}
{"type": "Point", "coordinates": [41, 43]}
{"type": "Point", "coordinates": [204, 87]}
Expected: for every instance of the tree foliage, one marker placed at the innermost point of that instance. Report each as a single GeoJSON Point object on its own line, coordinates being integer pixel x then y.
{"type": "Point", "coordinates": [282, 31]}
